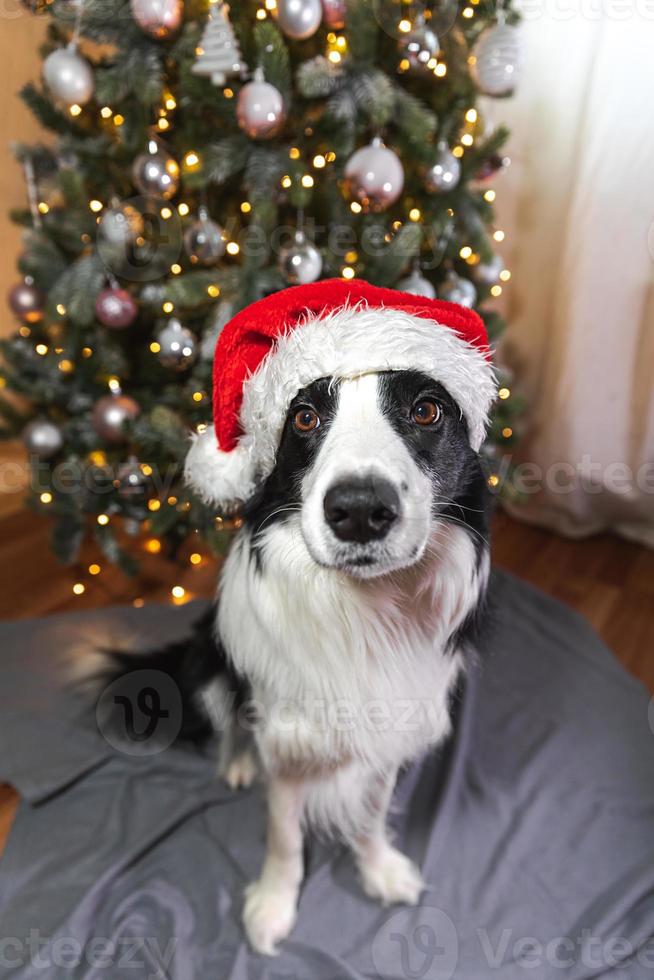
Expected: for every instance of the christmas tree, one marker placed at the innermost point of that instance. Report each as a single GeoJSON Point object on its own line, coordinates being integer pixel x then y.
{"type": "Point", "coordinates": [204, 157]}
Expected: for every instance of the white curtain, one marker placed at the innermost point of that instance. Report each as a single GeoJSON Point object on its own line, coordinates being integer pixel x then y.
{"type": "Point", "coordinates": [578, 208]}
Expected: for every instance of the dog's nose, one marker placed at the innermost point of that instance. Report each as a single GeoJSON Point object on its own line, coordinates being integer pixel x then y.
{"type": "Point", "coordinates": [361, 510]}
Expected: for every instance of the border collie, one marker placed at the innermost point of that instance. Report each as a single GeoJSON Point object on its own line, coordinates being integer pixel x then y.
{"type": "Point", "coordinates": [351, 597]}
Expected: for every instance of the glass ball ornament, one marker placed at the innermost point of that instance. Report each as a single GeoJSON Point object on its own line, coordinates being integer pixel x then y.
{"type": "Point", "coordinates": [110, 415]}
{"type": "Point", "coordinates": [299, 19]}
{"type": "Point", "coordinates": [417, 284]}
{"type": "Point", "coordinates": [419, 46]}
{"type": "Point", "coordinates": [43, 438]}
{"type": "Point", "coordinates": [26, 301]}
{"type": "Point", "coordinates": [178, 346]}
{"type": "Point", "coordinates": [131, 482]}
{"type": "Point", "coordinates": [456, 289]}
{"type": "Point", "coordinates": [158, 18]}
{"type": "Point", "coordinates": [203, 240]}
{"type": "Point", "coordinates": [333, 14]}
{"type": "Point", "coordinates": [374, 176]}
{"type": "Point", "coordinates": [120, 225]}
{"type": "Point", "coordinates": [260, 108]}
{"type": "Point", "coordinates": [444, 173]}
{"type": "Point", "coordinates": [498, 59]}
{"type": "Point", "coordinates": [300, 262]}
{"type": "Point", "coordinates": [69, 76]}
{"type": "Point", "coordinates": [155, 173]}
{"type": "Point", "coordinates": [494, 165]}
{"type": "Point", "coordinates": [488, 273]}
{"type": "Point", "coordinates": [115, 308]}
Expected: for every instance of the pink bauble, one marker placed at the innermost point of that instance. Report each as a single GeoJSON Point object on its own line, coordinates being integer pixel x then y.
{"type": "Point", "coordinates": [333, 13]}
{"type": "Point", "coordinates": [158, 18]}
{"type": "Point", "coordinates": [111, 413]}
{"type": "Point", "coordinates": [374, 176]}
{"type": "Point", "coordinates": [115, 308]}
{"type": "Point", "coordinates": [26, 301]}
{"type": "Point", "coordinates": [260, 109]}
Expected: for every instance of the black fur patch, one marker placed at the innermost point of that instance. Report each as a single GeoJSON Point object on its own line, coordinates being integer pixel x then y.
{"type": "Point", "coordinates": [280, 495]}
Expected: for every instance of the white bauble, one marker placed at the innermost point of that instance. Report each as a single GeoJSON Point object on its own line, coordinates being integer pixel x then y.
{"type": "Point", "coordinates": [260, 108]}
{"type": "Point", "coordinates": [300, 262]}
{"type": "Point", "coordinates": [374, 176]}
{"type": "Point", "coordinates": [69, 76]}
{"type": "Point", "coordinates": [416, 283]}
{"type": "Point", "coordinates": [445, 172]}
{"type": "Point", "coordinates": [498, 59]}
{"type": "Point", "coordinates": [299, 19]}
{"type": "Point", "coordinates": [456, 289]}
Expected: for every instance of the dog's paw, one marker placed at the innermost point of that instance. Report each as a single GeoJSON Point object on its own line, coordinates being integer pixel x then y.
{"type": "Point", "coordinates": [240, 771]}
{"type": "Point", "coordinates": [391, 877]}
{"type": "Point", "coordinates": [268, 915]}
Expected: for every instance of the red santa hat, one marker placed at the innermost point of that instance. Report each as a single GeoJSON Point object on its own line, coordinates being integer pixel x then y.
{"type": "Point", "coordinates": [280, 344]}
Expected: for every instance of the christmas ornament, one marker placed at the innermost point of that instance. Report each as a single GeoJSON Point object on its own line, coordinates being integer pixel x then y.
{"type": "Point", "coordinates": [131, 482]}
{"type": "Point", "coordinates": [219, 54]}
{"type": "Point", "coordinates": [222, 313]}
{"type": "Point", "coordinates": [498, 60]}
{"type": "Point", "coordinates": [43, 438]}
{"type": "Point", "coordinates": [289, 339]}
{"type": "Point", "coordinates": [158, 18]}
{"type": "Point", "coordinates": [115, 308]}
{"type": "Point", "coordinates": [444, 173]}
{"type": "Point", "coordinates": [260, 108]}
{"type": "Point", "coordinates": [301, 261]}
{"type": "Point", "coordinates": [456, 289]}
{"type": "Point", "coordinates": [177, 345]}
{"type": "Point", "coordinates": [120, 225]}
{"type": "Point", "coordinates": [299, 19]}
{"type": "Point", "coordinates": [203, 241]}
{"type": "Point", "coordinates": [488, 273]}
{"type": "Point", "coordinates": [333, 13]}
{"type": "Point", "coordinates": [420, 45]}
{"type": "Point", "coordinates": [110, 415]}
{"type": "Point", "coordinates": [416, 283]}
{"type": "Point", "coordinates": [153, 294]}
{"type": "Point", "coordinates": [69, 76]}
{"type": "Point", "coordinates": [26, 301]}
{"type": "Point", "coordinates": [155, 173]}
{"type": "Point", "coordinates": [492, 166]}
{"type": "Point", "coordinates": [374, 176]}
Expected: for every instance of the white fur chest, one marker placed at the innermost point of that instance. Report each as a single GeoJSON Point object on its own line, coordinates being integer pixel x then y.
{"type": "Point", "coordinates": [345, 672]}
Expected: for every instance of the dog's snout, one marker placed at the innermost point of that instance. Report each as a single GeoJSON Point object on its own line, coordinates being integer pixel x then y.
{"type": "Point", "coordinates": [361, 510]}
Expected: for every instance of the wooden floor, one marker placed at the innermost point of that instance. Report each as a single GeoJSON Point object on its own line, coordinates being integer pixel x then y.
{"type": "Point", "coordinates": [610, 581]}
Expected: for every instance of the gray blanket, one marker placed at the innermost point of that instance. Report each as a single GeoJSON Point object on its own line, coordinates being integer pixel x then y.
{"type": "Point", "coordinates": [534, 827]}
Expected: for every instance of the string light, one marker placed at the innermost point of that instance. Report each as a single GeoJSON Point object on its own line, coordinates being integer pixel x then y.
{"type": "Point", "coordinates": [496, 291]}
{"type": "Point", "coordinates": [87, 351]}
{"type": "Point", "coordinates": [146, 469]}
{"type": "Point", "coordinates": [286, 181]}
{"type": "Point", "coordinates": [94, 569]}
{"type": "Point", "coordinates": [118, 119]}
{"type": "Point", "coordinates": [154, 505]}
{"type": "Point", "coordinates": [114, 384]}
{"type": "Point", "coordinates": [351, 256]}
{"type": "Point", "coordinates": [79, 588]}
{"type": "Point", "coordinates": [41, 349]}
{"type": "Point", "coordinates": [467, 139]}
{"type": "Point", "coordinates": [348, 272]}
{"type": "Point", "coordinates": [504, 393]}
{"type": "Point", "coordinates": [61, 309]}
{"type": "Point", "coordinates": [169, 101]}
{"type": "Point", "coordinates": [355, 207]}
{"type": "Point", "coordinates": [96, 205]}
{"type": "Point", "coordinates": [458, 151]}
{"type": "Point", "coordinates": [294, 153]}
{"type": "Point", "coordinates": [198, 396]}
{"type": "Point", "coordinates": [468, 12]}
{"type": "Point", "coordinates": [319, 161]}
{"type": "Point", "coordinates": [246, 207]}
{"type": "Point", "coordinates": [178, 591]}
{"type": "Point", "coordinates": [183, 209]}
{"type": "Point", "coordinates": [404, 26]}
{"type": "Point", "coordinates": [75, 109]}
{"type": "Point", "coordinates": [138, 603]}
{"type": "Point", "coordinates": [191, 160]}
{"type": "Point", "coordinates": [490, 196]}
{"type": "Point", "coordinates": [153, 546]}
{"type": "Point", "coordinates": [172, 501]}
{"type": "Point", "coordinates": [307, 180]}
{"type": "Point", "coordinates": [471, 116]}
{"type": "Point", "coordinates": [175, 268]}
{"type": "Point", "coordinates": [505, 275]}
{"type": "Point", "coordinates": [43, 207]}
{"type": "Point", "coordinates": [168, 307]}
{"type": "Point", "coordinates": [440, 70]}
{"type": "Point", "coordinates": [415, 214]}
{"type": "Point", "coordinates": [97, 457]}
{"type": "Point", "coordinates": [507, 432]}
{"type": "Point", "coordinates": [499, 236]}
{"type": "Point", "coordinates": [106, 112]}
{"type": "Point", "coordinates": [228, 93]}
{"type": "Point", "coordinates": [166, 213]}
{"type": "Point", "coordinates": [213, 290]}
{"type": "Point", "coordinates": [465, 252]}
{"type": "Point", "coordinates": [195, 558]}
{"type": "Point", "coordinates": [493, 480]}
{"type": "Point", "coordinates": [66, 366]}
{"type": "Point", "coordinates": [46, 498]}
{"type": "Point", "coordinates": [155, 347]}
{"type": "Point", "coordinates": [103, 519]}
{"type": "Point", "coordinates": [233, 248]}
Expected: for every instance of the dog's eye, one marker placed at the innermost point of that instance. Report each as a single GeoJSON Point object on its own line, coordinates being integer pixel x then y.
{"type": "Point", "coordinates": [426, 412]}
{"type": "Point", "coordinates": [306, 419]}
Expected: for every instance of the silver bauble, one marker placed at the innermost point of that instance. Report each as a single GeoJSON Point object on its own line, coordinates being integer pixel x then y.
{"type": "Point", "coordinates": [456, 289]}
{"type": "Point", "coordinates": [333, 13]}
{"type": "Point", "coordinates": [155, 173]}
{"type": "Point", "coordinates": [69, 76]}
{"type": "Point", "coordinates": [178, 346]}
{"type": "Point", "coordinates": [488, 273]}
{"type": "Point", "coordinates": [260, 108]}
{"type": "Point", "coordinates": [158, 18]}
{"type": "Point", "coordinates": [299, 19]}
{"type": "Point", "coordinates": [131, 482]}
{"type": "Point", "coordinates": [420, 46]}
{"type": "Point", "coordinates": [300, 262]}
{"type": "Point", "coordinates": [498, 59]}
{"type": "Point", "coordinates": [445, 172]}
{"type": "Point", "coordinates": [43, 438]}
{"type": "Point", "coordinates": [374, 176]}
{"type": "Point", "coordinates": [110, 415]}
{"type": "Point", "coordinates": [120, 226]}
{"type": "Point", "coordinates": [203, 240]}
{"type": "Point", "coordinates": [26, 301]}
{"type": "Point", "coordinates": [416, 283]}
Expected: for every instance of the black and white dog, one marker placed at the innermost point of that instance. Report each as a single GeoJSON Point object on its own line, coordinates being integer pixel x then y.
{"type": "Point", "coordinates": [355, 587]}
